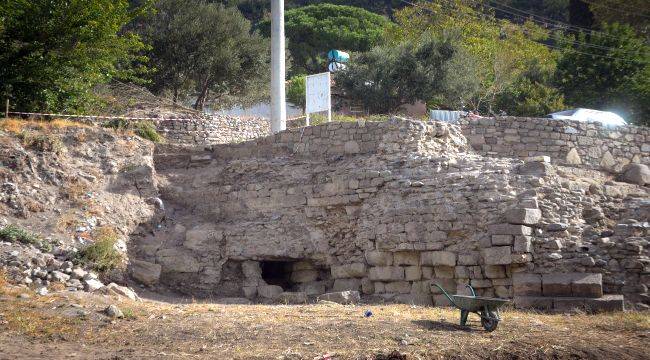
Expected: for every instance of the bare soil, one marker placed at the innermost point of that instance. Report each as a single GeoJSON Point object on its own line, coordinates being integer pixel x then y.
{"type": "Point", "coordinates": [68, 325]}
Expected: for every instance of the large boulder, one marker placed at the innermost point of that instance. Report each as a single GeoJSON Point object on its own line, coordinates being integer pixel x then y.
{"type": "Point", "coordinates": [145, 272]}
{"type": "Point", "coordinates": [636, 174]}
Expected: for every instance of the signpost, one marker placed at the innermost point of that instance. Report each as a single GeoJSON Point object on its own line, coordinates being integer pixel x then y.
{"type": "Point", "coordinates": [318, 95]}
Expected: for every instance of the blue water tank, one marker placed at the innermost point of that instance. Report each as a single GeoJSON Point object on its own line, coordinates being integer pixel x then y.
{"type": "Point", "coordinates": [338, 56]}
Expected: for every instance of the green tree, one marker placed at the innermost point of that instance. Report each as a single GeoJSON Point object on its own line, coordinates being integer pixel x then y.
{"type": "Point", "coordinates": [388, 77]}
{"type": "Point", "coordinates": [532, 94]}
{"type": "Point", "coordinates": [55, 52]}
{"type": "Point", "coordinates": [315, 29]}
{"type": "Point", "coordinates": [205, 50]}
{"type": "Point", "coordinates": [296, 91]}
{"type": "Point", "coordinates": [607, 70]}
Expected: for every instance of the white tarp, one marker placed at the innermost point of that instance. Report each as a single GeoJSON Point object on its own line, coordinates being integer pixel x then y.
{"type": "Point", "coordinates": [318, 93]}
{"type": "Point", "coordinates": [608, 119]}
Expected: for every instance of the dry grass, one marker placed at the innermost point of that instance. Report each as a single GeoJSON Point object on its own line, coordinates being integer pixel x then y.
{"type": "Point", "coordinates": [75, 190]}
{"type": "Point", "coordinates": [17, 126]}
{"type": "Point", "coordinates": [67, 221]}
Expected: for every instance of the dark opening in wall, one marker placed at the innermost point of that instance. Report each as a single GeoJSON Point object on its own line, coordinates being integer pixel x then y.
{"type": "Point", "coordinates": [277, 273]}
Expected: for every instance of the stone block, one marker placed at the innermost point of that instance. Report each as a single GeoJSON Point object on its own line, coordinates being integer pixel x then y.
{"type": "Point", "coordinates": [386, 273]}
{"type": "Point", "coordinates": [523, 216]}
{"type": "Point", "coordinates": [177, 259]}
{"type": "Point", "coordinates": [494, 271]}
{"type": "Point", "coordinates": [568, 303]}
{"type": "Point", "coordinates": [521, 258]}
{"type": "Point", "coordinates": [145, 272]}
{"type": "Point", "coordinates": [292, 298]}
{"type": "Point", "coordinates": [607, 303]}
{"type": "Point", "coordinates": [252, 269]}
{"type": "Point", "coordinates": [414, 299]}
{"type": "Point", "coordinates": [341, 297]}
{"type": "Point", "coordinates": [539, 169]}
{"type": "Point", "coordinates": [379, 258]}
{"type": "Point", "coordinates": [347, 284]}
{"type": "Point", "coordinates": [444, 272]}
{"type": "Point", "coordinates": [497, 255]}
{"type": "Point", "coordinates": [436, 258]}
{"type": "Point", "coordinates": [427, 272]}
{"type": "Point", "coordinates": [269, 291]}
{"type": "Point", "coordinates": [533, 302]}
{"type": "Point", "coordinates": [406, 258]}
{"type": "Point", "coordinates": [587, 285]}
{"type": "Point", "coordinates": [523, 244]}
{"type": "Point", "coordinates": [441, 300]}
{"type": "Point", "coordinates": [481, 283]}
{"type": "Point", "coordinates": [556, 284]}
{"type": "Point", "coordinates": [526, 284]}
{"type": "Point", "coordinates": [448, 284]}
{"type": "Point", "coordinates": [461, 272]}
{"type": "Point", "coordinates": [301, 265]}
{"type": "Point", "coordinates": [499, 240]}
{"type": "Point", "coordinates": [313, 288]}
{"type": "Point", "coordinates": [509, 229]}
{"type": "Point", "coordinates": [354, 270]}
{"type": "Point", "coordinates": [250, 292]}
{"type": "Point", "coordinates": [367, 286]}
{"type": "Point", "coordinates": [412, 273]}
{"type": "Point", "coordinates": [468, 258]}
{"type": "Point", "coordinates": [303, 276]}
{"type": "Point", "coordinates": [398, 287]}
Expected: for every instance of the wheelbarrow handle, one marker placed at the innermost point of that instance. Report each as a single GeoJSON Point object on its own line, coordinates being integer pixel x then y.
{"type": "Point", "coordinates": [471, 289]}
{"type": "Point", "coordinates": [446, 295]}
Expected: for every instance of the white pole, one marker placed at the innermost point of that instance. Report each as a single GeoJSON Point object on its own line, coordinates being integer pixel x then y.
{"type": "Point", "coordinates": [278, 101]}
{"type": "Point", "coordinates": [329, 97]}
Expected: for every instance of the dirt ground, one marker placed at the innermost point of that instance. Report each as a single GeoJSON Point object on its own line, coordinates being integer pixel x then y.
{"type": "Point", "coordinates": [73, 326]}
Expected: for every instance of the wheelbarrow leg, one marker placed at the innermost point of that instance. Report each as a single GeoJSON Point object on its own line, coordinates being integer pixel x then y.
{"type": "Point", "coordinates": [463, 317]}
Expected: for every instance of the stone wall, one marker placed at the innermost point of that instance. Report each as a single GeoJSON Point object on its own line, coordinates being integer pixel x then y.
{"type": "Point", "coordinates": [389, 209]}
{"type": "Point", "coordinates": [566, 142]}
{"type": "Point", "coordinates": [216, 129]}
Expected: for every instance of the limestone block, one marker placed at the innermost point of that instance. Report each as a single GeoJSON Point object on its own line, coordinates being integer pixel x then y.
{"type": "Point", "coordinates": [441, 300]}
{"type": "Point", "coordinates": [269, 291]}
{"type": "Point", "coordinates": [412, 273]}
{"type": "Point", "coordinates": [427, 272]}
{"type": "Point", "coordinates": [461, 272]}
{"type": "Point", "coordinates": [292, 298]}
{"type": "Point", "coordinates": [573, 158]}
{"type": "Point", "coordinates": [444, 272]}
{"type": "Point", "coordinates": [379, 258]}
{"type": "Point", "coordinates": [556, 284]}
{"type": "Point", "coordinates": [523, 244]}
{"type": "Point", "coordinates": [448, 284]}
{"type": "Point", "coordinates": [608, 162]}
{"type": "Point", "coordinates": [313, 288]}
{"type": "Point", "coordinates": [521, 258]}
{"type": "Point", "coordinates": [351, 147]}
{"type": "Point", "coordinates": [250, 292]}
{"type": "Point", "coordinates": [636, 174]}
{"type": "Point", "coordinates": [303, 276]}
{"type": "Point", "coordinates": [177, 259]}
{"type": "Point", "coordinates": [480, 283]}
{"type": "Point", "coordinates": [367, 286]}
{"type": "Point", "coordinates": [533, 302]}
{"type": "Point", "coordinates": [347, 284]}
{"type": "Point", "coordinates": [199, 238]}
{"type": "Point", "coordinates": [527, 284]}
{"type": "Point", "coordinates": [421, 287]}
{"type": "Point", "coordinates": [607, 303]}
{"type": "Point", "coordinates": [436, 258]}
{"type": "Point", "coordinates": [303, 265]}
{"type": "Point", "coordinates": [509, 229]}
{"type": "Point", "coordinates": [251, 269]}
{"type": "Point", "coordinates": [468, 259]}
{"type": "Point", "coordinates": [504, 292]}
{"type": "Point", "coordinates": [354, 270]}
{"type": "Point", "coordinates": [494, 271]}
{"type": "Point", "coordinates": [399, 287]}
{"type": "Point", "coordinates": [539, 169]}
{"type": "Point", "coordinates": [386, 273]}
{"type": "Point", "coordinates": [587, 285]}
{"type": "Point", "coordinates": [568, 303]}
{"type": "Point", "coordinates": [145, 272]}
{"type": "Point", "coordinates": [523, 216]}
{"type": "Point", "coordinates": [498, 240]}
{"type": "Point", "coordinates": [406, 258]}
{"type": "Point", "coordinates": [341, 297]}
{"type": "Point", "coordinates": [497, 255]}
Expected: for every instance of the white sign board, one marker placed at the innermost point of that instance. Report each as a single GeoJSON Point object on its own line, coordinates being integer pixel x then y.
{"type": "Point", "coordinates": [318, 96]}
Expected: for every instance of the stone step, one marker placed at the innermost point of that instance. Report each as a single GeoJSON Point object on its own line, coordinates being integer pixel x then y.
{"type": "Point", "coordinates": [606, 303]}
{"type": "Point", "coordinates": [587, 285]}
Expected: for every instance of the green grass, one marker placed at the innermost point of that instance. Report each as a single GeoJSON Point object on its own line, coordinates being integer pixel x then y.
{"type": "Point", "coordinates": [318, 119]}
{"type": "Point", "coordinates": [13, 233]}
{"type": "Point", "coordinates": [102, 254]}
{"type": "Point", "coordinates": [143, 129]}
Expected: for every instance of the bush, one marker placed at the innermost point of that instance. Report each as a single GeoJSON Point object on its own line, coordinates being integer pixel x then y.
{"type": "Point", "coordinates": [41, 142]}
{"type": "Point", "coordinates": [13, 233]}
{"type": "Point", "coordinates": [147, 130]}
{"type": "Point", "coordinates": [102, 254]}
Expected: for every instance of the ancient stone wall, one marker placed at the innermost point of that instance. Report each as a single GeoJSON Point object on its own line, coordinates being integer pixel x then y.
{"type": "Point", "coordinates": [389, 209]}
{"type": "Point", "coordinates": [216, 129]}
{"type": "Point", "coordinates": [566, 142]}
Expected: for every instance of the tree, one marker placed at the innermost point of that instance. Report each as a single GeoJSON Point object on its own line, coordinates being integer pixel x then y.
{"type": "Point", "coordinates": [296, 91]}
{"type": "Point", "coordinates": [388, 77]}
{"type": "Point", "coordinates": [632, 12]}
{"type": "Point", "coordinates": [607, 70]}
{"type": "Point", "coordinates": [205, 50]}
{"type": "Point", "coordinates": [55, 52]}
{"type": "Point", "coordinates": [315, 29]}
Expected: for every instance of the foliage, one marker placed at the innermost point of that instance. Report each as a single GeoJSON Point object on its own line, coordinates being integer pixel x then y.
{"type": "Point", "coordinates": [147, 130]}
{"type": "Point", "coordinates": [388, 77]}
{"type": "Point", "coordinates": [102, 254]}
{"type": "Point", "coordinates": [616, 78]}
{"type": "Point", "coordinates": [54, 52]}
{"type": "Point", "coordinates": [13, 233]}
{"type": "Point", "coordinates": [204, 50]}
{"type": "Point", "coordinates": [296, 88]}
{"type": "Point", "coordinates": [315, 29]}
{"type": "Point", "coordinates": [631, 12]}
{"type": "Point", "coordinates": [41, 141]}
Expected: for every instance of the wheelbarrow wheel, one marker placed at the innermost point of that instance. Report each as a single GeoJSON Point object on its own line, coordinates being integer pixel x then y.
{"type": "Point", "coordinates": [489, 322]}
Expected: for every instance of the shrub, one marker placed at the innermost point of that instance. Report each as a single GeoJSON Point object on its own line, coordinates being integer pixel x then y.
{"type": "Point", "coordinates": [147, 130]}
{"type": "Point", "coordinates": [41, 142]}
{"type": "Point", "coordinates": [102, 254]}
{"type": "Point", "coordinates": [13, 233]}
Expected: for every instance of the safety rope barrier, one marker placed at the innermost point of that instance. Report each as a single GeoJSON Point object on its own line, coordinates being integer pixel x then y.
{"type": "Point", "coordinates": [108, 117]}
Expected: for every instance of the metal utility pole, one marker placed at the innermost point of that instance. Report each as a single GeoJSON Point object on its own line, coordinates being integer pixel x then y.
{"type": "Point", "coordinates": [278, 97]}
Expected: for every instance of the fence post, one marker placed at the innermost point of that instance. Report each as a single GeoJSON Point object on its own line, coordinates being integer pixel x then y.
{"type": "Point", "coordinates": [7, 110]}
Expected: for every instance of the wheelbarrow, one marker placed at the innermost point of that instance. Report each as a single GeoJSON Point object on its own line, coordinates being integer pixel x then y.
{"type": "Point", "coordinates": [486, 308]}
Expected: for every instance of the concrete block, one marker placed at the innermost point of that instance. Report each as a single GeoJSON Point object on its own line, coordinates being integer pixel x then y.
{"type": "Point", "coordinates": [557, 284]}
{"type": "Point", "coordinates": [526, 284]}
{"type": "Point", "coordinates": [497, 255]}
{"type": "Point", "coordinates": [523, 216]}
{"type": "Point", "coordinates": [347, 284]}
{"type": "Point", "coordinates": [412, 273]}
{"type": "Point", "coordinates": [386, 273]}
{"type": "Point", "coordinates": [406, 258]}
{"type": "Point", "coordinates": [587, 285]}
{"type": "Point", "coordinates": [499, 240]}
{"type": "Point", "coordinates": [379, 258]}
{"type": "Point", "coordinates": [435, 258]}
{"type": "Point", "coordinates": [533, 302]}
{"type": "Point", "coordinates": [354, 270]}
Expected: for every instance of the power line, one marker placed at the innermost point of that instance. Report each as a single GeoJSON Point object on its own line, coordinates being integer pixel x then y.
{"type": "Point", "coordinates": [547, 45]}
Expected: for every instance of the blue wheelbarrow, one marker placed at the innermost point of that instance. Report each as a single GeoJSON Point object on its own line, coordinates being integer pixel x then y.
{"type": "Point", "coordinates": [486, 308]}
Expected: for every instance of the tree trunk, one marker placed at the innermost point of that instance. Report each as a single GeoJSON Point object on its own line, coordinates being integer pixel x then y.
{"type": "Point", "coordinates": [200, 100]}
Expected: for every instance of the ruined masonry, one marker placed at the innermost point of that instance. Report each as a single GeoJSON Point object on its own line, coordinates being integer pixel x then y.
{"type": "Point", "coordinates": [387, 209]}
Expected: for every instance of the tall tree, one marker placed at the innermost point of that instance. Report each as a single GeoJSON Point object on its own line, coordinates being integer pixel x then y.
{"type": "Point", "coordinates": [315, 29]}
{"type": "Point", "coordinates": [608, 70]}
{"type": "Point", "coordinates": [205, 50]}
{"type": "Point", "coordinates": [55, 52]}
